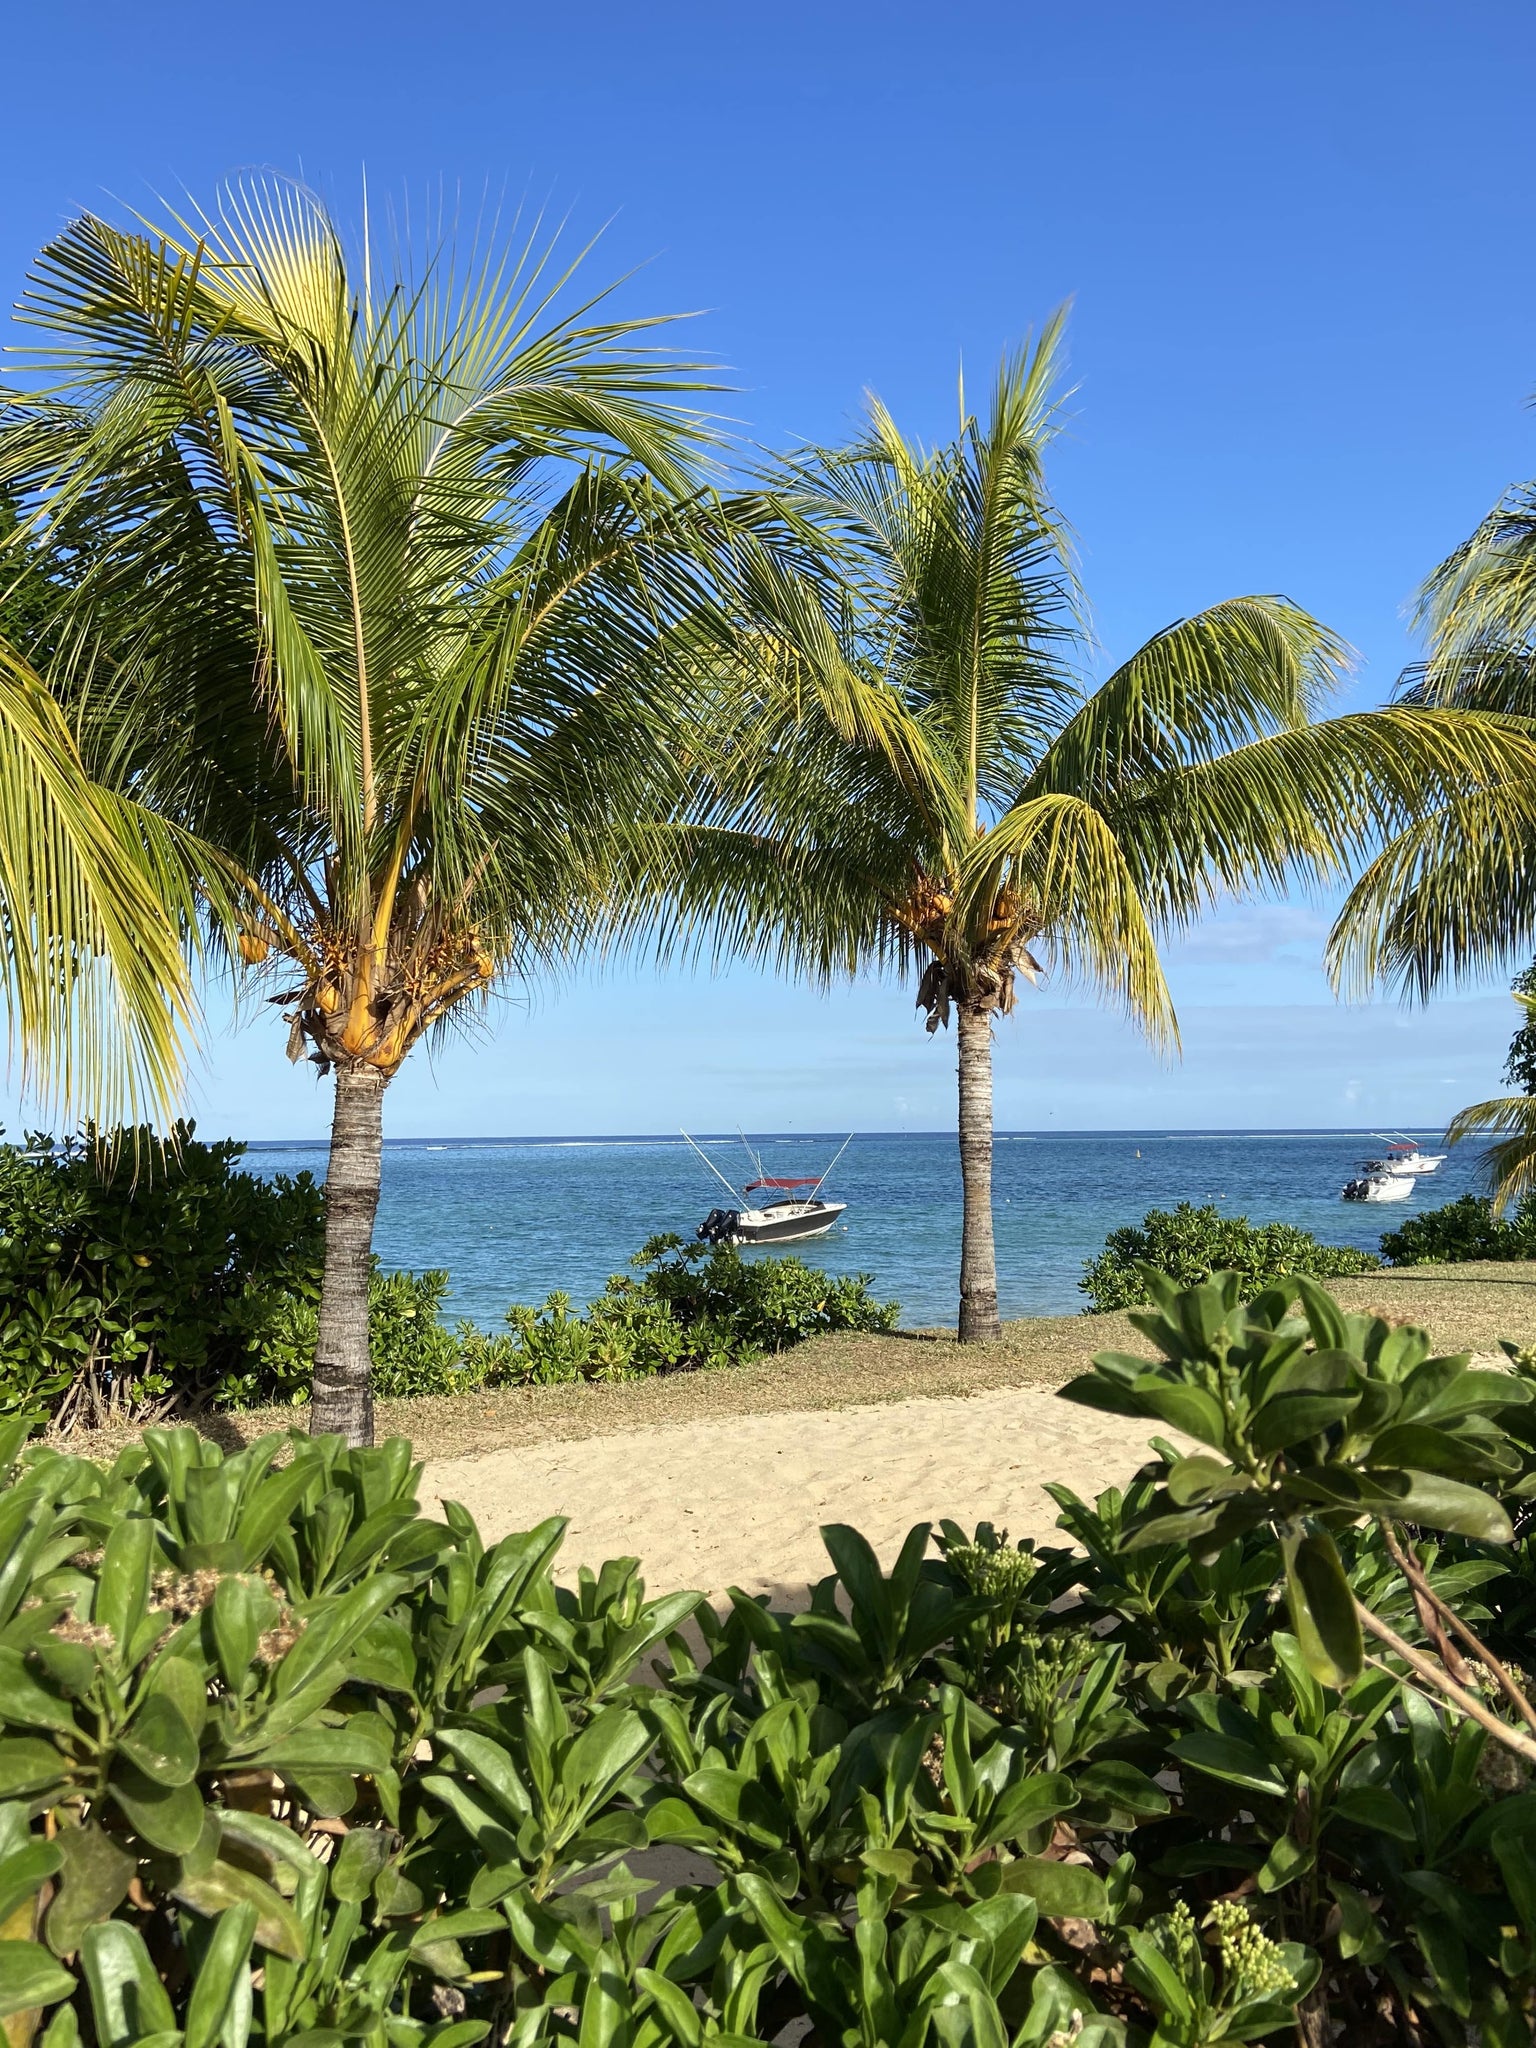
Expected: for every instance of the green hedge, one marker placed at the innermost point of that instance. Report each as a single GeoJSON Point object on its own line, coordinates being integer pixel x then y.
{"type": "Point", "coordinates": [1189, 1244]}
{"type": "Point", "coordinates": [139, 1282]}
{"type": "Point", "coordinates": [282, 1761]}
{"type": "Point", "coordinates": [681, 1307]}
{"type": "Point", "coordinates": [1459, 1230]}
{"type": "Point", "coordinates": [138, 1279]}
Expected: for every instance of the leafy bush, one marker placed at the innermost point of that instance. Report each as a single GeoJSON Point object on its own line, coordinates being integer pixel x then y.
{"type": "Point", "coordinates": [1190, 1244]}
{"type": "Point", "coordinates": [412, 1350]}
{"type": "Point", "coordinates": [692, 1306]}
{"type": "Point", "coordinates": [138, 1283]}
{"type": "Point", "coordinates": [282, 1759]}
{"type": "Point", "coordinates": [1460, 1230]}
{"type": "Point", "coordinates": [136, 1280]}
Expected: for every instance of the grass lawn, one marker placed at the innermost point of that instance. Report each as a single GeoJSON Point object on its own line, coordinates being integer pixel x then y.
{"type": "Point", "coordinates": [1464, 1308]}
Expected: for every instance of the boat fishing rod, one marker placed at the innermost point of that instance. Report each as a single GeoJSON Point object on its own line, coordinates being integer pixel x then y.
{"type": "Point", "coordinates": [835, 1157]}
{"type": "Point", "coordinates": [733, 1192]}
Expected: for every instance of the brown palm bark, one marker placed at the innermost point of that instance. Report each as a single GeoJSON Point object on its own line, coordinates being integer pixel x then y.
{"type": "Point", "coordinates": [343, 1387]}
{"type": "Point", "coordinates": [978, 1255]}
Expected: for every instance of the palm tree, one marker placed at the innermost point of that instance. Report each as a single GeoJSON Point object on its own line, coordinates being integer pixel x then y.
{"type": "Point", "coordinates": [1454, 895]}
{"type": "Point", "coordinates": [917, 777]}
{"type": "Point", "coordinates": [377, 580]}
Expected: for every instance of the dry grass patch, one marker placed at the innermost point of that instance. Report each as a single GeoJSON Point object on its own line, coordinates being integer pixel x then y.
{"type": "Point", "coordinates": [1469, 1312]}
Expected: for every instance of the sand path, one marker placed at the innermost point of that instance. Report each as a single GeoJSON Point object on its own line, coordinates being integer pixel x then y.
{"type": "Point", "coordinates": [739, 1501]}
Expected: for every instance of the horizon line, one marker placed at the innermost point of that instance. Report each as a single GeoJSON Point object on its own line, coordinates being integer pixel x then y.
{"type": "Point", "coordinates": [1151, 1131]}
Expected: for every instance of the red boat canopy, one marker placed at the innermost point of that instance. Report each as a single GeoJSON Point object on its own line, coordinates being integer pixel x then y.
{"type": "Point", "coordinates": [809, 1183]}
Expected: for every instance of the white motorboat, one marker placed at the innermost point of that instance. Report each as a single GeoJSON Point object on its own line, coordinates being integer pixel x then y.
{"type": "Point", "coordinates": [788, 1216]}
{"type": "Point", "coordinates": [1374, 1184]}
{"type": "Point", "coordinates": [1404, 1157]}
{"type": "Point", "coordinates": [782, 1222]}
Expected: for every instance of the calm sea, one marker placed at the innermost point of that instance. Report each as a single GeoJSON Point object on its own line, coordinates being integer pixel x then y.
{"type": "Point", "coordinates": [515, 1219]}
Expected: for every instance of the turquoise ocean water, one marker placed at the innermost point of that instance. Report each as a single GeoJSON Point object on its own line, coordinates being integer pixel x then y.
{"type": "Point", "coordinates": [513, 1219]}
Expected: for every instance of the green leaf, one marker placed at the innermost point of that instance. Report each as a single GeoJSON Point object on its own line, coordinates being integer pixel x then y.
{"type": "Point", "coordinates": [185, 1685]}
{"type": "Point", "coordinates": [1192, 1481]}
{"type": "Point", "coordinates": [1424, 1448]}
{"type": "Point", "coordinates": [1323, 1610]}
{"type": "Point", "coordinates": [1378, 1809]}
{"type": "Point", "coordinates": [28, 1764]}
{"type": "Point", "coordinates": [122, 1586]}
{"type": "Point", "coordinates": [678, 2011]}
{"type": "Point", "coordinates": [1094, 1390]}
{"type": "Point", "coordinates": [327, 1793]}
{"type": "Point", "coordinates": [1326, 1318]}
{"type": "Point", "coordinates": [362, 1855]}
{"type": "Point", "coordinates": [63, 2030]}
{"type": "Point", "coordinates": [26, 1704]}
{"type": "Point", "coordinates": [1062, 1891]}
{"type": "Point", "coordinates": [30, 1977]}
{"type": "Point", "coordinates": [1440, 1503]}
{"type": "Point", "coordinates": [1233, 1761]}
{"type": "Point", "coordinates": [1029, 1804]}
{"type": "Point", "coordinates": [361, 1745]}
{"type": "Point", "coordinates": [269, 1507]}
{"type": "Point", "coordinates": [1287, 1859]}
{"type": "Point", "coordinates": [1177, 1528]}
{"type": "Point", "coordinates": [492, 1766]}
{"type": "Point", "coordinates": [603, 1754]}
{"type": "Point", "coordinates": [1123, 1787]}
{"type": "Point", "coordinates": [160, 1743]}
{"type": "Point", "coordinates": [220, 1976]}
{"type": "Point", "coordinates": [168, 1816]}
{"type": "Point", "coordinates": [14, 1431]}
{"type": "Point", "coordinates": [468, 1923]}
{"type": "Point", "coordinates": [239, 1613]}
{"type": "Point", "coordinates": [96, 1875]}
{"type": "Point", "coordinates": [24, 1873]}
{"type": "Point", "coordinates": [277, 1925]}
{"type": "Point", "coordinates": [127, 1997]}
{"type": "Point", "coordinates": [1191, 1409]}
{"type": "Point", "coordinates": [1292, 1418]}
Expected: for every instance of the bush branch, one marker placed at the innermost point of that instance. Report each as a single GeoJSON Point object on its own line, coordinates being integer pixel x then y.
{"type": "Point", "coordinates": [1433, 1675]}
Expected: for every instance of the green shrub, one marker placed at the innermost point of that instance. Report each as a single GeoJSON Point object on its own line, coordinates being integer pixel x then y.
{"type": "Point", "coordinates": [1460, 1230]}
{"type": "Point", "coordinates": [136, 1281]}
{"type": "Point", "coordinates": [1189, 1244]}
{"type": "Point", "coordinates": [692, 1306]}
{"type": "Point", "coordinates": [262, 1716]}
{"type": "Point", "coordinates": [412, 1350]}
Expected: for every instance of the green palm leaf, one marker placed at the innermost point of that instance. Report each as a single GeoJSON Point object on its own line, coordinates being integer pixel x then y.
{"type": "Point", "coordinates": [97, 989]}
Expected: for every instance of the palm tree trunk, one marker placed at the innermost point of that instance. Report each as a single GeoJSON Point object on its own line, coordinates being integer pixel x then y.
{"type": "Point", "coordinates": [978, 1255]}
{"type": "Point", "coordinates": [343, 1390]}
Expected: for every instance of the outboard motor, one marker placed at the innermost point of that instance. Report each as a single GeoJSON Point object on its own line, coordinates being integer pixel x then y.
{"type": "Point", "coordinates": [719, 1226]}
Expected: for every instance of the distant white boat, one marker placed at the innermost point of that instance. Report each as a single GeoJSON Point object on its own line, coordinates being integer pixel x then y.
{"type": "Point", "coordinates": [1375, 1184]}
{"type": "Point", "coordinates": [1404, 1157]}
{"type": "Point", "coordinates": [786, 1217]}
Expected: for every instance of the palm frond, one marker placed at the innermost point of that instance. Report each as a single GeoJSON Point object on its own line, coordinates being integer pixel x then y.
{"type": "Point", "coordinates": [1508, 1165]}
{"type": "Point", "coordinates": [1450, 893]}
{"type": "Point", "coordinates": [1063, 859]}
{"type": "Point", "coordinates": [96, 980]}
{"type": "Point", "coordinates": [1242, 669]}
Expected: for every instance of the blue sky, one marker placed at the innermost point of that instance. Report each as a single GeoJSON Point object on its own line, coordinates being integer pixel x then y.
{"type": "Point", "coordinates": [1296, 238]}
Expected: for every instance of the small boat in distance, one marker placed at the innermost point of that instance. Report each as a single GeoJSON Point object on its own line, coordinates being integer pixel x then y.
{"type": "Point", "coordinates": [787, 1217]}
{"type": "Point", "coordinates": [1404, 1157]}
{"type": "Point", "coordinates": [1374, 1183]}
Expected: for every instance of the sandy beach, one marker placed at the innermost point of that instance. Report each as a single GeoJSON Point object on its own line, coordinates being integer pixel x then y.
{"type": "Point", "coordinates": [739, 1501]}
